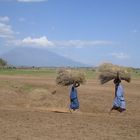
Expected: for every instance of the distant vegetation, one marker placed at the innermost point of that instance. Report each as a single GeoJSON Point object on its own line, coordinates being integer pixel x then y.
{"type": "Point", "coordinates": [52, 71]}
{"type": "Point", "coordinates": [90, 72]}
{"type": "Point", "coordinates": [3, 63]}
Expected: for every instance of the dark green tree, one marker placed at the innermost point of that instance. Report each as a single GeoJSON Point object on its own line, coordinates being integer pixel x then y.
{"type": "Point", "coordinates": [2, 62]}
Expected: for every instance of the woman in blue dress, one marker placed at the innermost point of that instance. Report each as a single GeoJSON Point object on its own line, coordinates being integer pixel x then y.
{"type": "Point", "coordinates": [119, 101]}
{"type": "Point", "coordinates": [74, 103]}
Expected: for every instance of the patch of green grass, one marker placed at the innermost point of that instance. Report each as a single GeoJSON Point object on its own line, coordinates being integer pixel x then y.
{"type": "Point", "coordinates": [42, 72]}
{"type": "Point", "coordinates": [33, 72]}
{"type": "Point", "coordinates": [135, 74]}
{"type": "Point", "coordinates": [90, 74]}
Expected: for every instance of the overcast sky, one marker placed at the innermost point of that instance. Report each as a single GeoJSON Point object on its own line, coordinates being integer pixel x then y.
{"type": "Point", "coordinates": [88, 31]}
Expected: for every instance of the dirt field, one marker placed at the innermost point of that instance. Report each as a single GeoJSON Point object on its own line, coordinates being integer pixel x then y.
{"type": "Point", "coordinates": [34, 108]}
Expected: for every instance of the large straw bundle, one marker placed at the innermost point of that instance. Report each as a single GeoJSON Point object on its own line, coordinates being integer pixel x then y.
{"type": "Point", "coordinates": [68, 77]}
{"type": "Point", "coordinates": [109, 72]}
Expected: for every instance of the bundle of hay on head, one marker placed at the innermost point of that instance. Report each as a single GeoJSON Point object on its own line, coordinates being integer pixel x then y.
{"type": "Point", "coordinates": [109, 72]}
{"type": "Point", "coordinates": [69, 77]}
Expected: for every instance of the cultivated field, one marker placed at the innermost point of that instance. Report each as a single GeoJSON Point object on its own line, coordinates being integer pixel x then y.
{"type": "Point", "coordinates": [32, 107]}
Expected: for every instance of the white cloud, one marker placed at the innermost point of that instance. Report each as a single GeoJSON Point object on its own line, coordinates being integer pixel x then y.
{"type": "Point", "coordinates": [44, 42]}
{"type": "Point", "coordinates": [82, 43]}
{"type": "Point", "coordinates": [4, 19]}
{"type": "Point", "coordinates": [29, 41]}
{"type": "Point", "coordinates": [120, 55]}
{"type": "Point", "coordinates": [6, 31]}
{"type": "Point", "coordinates": [31, 0]}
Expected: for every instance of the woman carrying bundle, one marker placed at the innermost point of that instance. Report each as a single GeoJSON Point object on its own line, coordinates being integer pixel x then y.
{"type": "Point", "coordinates": [119, 102]}
{"type": "Point", "coordinates": [74, 103]}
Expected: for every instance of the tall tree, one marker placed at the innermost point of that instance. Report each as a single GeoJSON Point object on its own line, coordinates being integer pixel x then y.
{"type": "Point", "coordinates": [2, 62]}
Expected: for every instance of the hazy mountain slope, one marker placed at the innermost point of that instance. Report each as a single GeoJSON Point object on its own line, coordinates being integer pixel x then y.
{"type": "Point", "coordinates": [37, 57]}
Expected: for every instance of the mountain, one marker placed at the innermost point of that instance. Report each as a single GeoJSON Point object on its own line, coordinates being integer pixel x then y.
{"type": "Point", "coordinates": [28, 56]}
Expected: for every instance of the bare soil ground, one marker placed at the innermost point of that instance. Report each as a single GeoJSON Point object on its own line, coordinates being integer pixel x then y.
{"type": "Point", "coordinates": [34, 108]}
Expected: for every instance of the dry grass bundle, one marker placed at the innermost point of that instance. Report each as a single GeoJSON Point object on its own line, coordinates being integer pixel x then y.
{"type": "Point", "coordinates": [68, 77]}
{"type": "Point", "coordinates": [109, 72]}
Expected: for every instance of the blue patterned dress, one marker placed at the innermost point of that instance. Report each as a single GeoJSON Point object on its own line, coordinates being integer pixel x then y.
{"type": "Point", "coordinates": [119, 100]}
{"type": "Point", "coordinates": [74, 103]}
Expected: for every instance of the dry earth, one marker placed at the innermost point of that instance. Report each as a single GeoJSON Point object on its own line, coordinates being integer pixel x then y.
{"type": "Point", "coordinates": [34, 108]}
